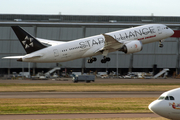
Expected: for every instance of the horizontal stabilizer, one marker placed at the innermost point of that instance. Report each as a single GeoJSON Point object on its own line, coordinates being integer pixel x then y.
{"type": "Point", "coordinates": [21, 58]}
{"type": "Point", "coordinates": [12, 57]}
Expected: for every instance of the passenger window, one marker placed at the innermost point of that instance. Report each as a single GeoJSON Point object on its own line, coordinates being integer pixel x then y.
{"type": "Point", "coordinates": [171, 97]}
{"type": "Point", "coordinates": [166, 98]}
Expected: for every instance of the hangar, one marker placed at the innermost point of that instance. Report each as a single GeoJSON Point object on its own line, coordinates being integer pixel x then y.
{"type": "Point", "coordinates": [71, 27]}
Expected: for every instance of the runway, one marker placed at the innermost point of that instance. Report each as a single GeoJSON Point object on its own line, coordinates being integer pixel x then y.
{"type": "Point", "coordinates": [78, 94]}
{"type": "Point", "coordinates": [73, 116]}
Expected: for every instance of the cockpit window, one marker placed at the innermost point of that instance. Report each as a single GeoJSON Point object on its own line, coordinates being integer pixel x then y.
{"type": "Point", "coordinates": [166, 98]}
{"type": "Point", "coordinates": [166, 27]}
{"type": "Point", "coordinates": [171, 97]}
{"type": "Point", "coordinates": [161, 98]}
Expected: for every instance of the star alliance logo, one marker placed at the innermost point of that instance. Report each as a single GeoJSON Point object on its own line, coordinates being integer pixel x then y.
{"type": "Point", "coordinates": [28, 42]}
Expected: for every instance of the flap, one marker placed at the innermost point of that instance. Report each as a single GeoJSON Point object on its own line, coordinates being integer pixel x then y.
{"type": "Point", "coordinates": [109, 43]}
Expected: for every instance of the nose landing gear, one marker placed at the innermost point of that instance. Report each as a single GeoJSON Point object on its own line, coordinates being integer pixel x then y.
{"type": "Point", "coordinates": [160, 44]}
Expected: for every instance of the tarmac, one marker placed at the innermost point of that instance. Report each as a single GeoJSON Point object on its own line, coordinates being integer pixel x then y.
{"type": "Point", "coordinates": [73, 116]}
{"type": "Point", "coordinates": [79, 94]}
{"type": "Point", "coordinates": [97, 81]}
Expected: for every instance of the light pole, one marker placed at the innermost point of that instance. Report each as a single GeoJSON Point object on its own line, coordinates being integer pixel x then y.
{"type": "Point", "coordinates": [117, 60]}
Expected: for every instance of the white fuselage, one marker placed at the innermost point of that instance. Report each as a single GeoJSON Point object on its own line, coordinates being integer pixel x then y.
{"type": "Point", "coordinates": [87, 47]}
{"type": "Point", "coordinates": [168, 105]}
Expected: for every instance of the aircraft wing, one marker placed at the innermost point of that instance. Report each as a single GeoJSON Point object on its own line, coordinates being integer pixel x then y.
{"type": "Point", "coordinates": [110, 43]}
{"type": "Point", "coordinates": [49, 42]}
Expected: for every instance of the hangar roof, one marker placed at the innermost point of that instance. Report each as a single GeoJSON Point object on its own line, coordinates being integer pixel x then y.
{"type": "Point", "coordinates": [74, 24]}
{"type": "Point", "coordinates": [88, 18]}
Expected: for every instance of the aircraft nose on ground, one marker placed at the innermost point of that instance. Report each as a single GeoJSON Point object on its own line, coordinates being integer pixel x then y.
{"type": "Point", "coordinates": [154, 107]}
{"type": "Point", "coordinates": [159, 108]}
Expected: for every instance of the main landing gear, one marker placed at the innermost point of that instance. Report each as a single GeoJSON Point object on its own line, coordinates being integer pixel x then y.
{"type": "Point", "coordinates": [91, 60]}
{"type": "Point", "coordinates": [105, 59]}
{"type": "Point", "coordinates": [160, 44]}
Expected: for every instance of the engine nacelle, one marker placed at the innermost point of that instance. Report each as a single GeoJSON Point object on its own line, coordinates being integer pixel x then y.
{"type": "Point", "coordinates": [132, 47]}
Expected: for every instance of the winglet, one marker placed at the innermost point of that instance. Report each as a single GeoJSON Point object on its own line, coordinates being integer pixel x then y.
{"type": "Point", "coordinates": [29, 43]}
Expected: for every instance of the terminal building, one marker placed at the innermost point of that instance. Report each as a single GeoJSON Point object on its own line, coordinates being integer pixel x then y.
{"type": "Point", "coordinates": [72, 27]}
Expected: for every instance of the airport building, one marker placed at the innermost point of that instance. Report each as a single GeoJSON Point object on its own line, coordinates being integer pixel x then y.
{"type": "Point", "coordinates": [71, 27]}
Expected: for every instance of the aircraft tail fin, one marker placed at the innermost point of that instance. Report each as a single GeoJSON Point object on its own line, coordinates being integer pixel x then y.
{"type": "Point", "coordinates": [29, 43]}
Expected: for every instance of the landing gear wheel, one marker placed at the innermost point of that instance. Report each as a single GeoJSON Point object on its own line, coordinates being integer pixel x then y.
{"type": "Point", "coordinates": [103, 60]}
{"type": "Point", "coordinates": [91, 60]}
{"type": "Point", "coordinates": [108, 59]}
{"type": "Point", "coordinates": [94, 59]}
{"type": "Point", "coordinates": [161, 45]}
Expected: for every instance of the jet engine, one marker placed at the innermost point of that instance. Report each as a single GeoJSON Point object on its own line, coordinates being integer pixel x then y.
{"type": "Point", "coordinates": [132, 47]}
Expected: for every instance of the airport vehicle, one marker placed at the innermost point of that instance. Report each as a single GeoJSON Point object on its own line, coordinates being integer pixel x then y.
{"type": "Point", "coordinates": [168, 105]}
{"type": "Point", "coordinates": [128, 41]}
{"type": "Point", "coordinates": [81, 78]}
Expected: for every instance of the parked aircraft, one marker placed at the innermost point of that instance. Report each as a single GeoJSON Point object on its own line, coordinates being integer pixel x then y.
{"type": "Point", "coordinates": [168, 105]}
{"type": "Point", "coordinates": [128, 41]}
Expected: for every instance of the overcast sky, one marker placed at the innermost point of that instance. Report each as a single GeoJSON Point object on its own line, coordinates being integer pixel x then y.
{"type": "Point", "coordinates": [92, 7]}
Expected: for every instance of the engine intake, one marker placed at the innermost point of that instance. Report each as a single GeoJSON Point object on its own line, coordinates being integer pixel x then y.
{"type": "Point", "coordinates": [132, 47]}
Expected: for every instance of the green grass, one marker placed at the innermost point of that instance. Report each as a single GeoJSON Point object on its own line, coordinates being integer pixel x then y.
{"type": "Point", "coordinates": [74, 105]}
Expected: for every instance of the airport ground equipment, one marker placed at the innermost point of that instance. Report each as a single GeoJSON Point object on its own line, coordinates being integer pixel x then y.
{"type": "Point", "coordinates": [47, 74]}
{"type": "Point", "coordinates": [164, 71]}
{"type": "Point", "coordinates": [83, 78]}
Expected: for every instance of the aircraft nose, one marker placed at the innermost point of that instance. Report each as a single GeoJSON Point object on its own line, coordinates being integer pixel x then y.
{"type": "Point", "coordinates": [156, 107]}
{"type": "Point", "coordinates": [171, 32]}
{"type": "Point", "coordinates": [153, 106]}
{"type": "Point", "coordinates": [159, 107]}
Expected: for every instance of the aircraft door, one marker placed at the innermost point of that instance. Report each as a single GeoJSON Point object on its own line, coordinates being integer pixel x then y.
{"type": "Point", "coordinates": [159, 30]}
{"type": "Point", "coordinates": [56, 53]}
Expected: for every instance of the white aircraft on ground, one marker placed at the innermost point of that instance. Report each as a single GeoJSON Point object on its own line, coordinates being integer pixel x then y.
{"type": "Point", "coordinates": [128, 41]}
{"type": "Point", "coordinates": [168, 105]}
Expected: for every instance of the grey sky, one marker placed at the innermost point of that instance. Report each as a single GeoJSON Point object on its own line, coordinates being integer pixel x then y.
{"type": "Point", "coordinates": [92, 7]}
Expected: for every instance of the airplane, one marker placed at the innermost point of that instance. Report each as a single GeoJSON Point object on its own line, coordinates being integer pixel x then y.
{"type": "Point", "coordinates": [128, 41]}
{"type": "Point", "coordinates": [168, 105]}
